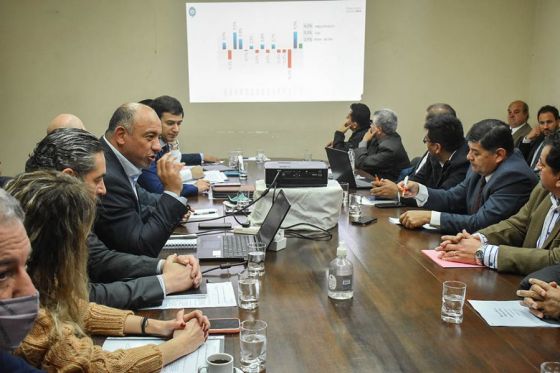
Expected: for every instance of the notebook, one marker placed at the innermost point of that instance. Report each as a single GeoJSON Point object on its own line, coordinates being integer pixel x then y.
{"type": "Point", "coordinates": [217, 247]}
{"type": "Point", "coordinates": [342, 169]}
{"type": "Point", "coordinates": [180, 244]}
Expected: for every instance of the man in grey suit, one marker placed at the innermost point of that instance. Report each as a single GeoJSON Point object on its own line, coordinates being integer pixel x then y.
{"type": "Point", "coordinates": [381, 151]}
{"type": "Point", "coordinates": [518, 114]}
{"type": "Point", "coordinates": [527, 241]}
{"type": "Point", "coordinates": [79, 153]}
{"type": "Point", "coordinates": [497, 185]}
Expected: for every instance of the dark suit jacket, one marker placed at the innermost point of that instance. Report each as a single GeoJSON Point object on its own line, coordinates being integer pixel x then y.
{"type": "Point", "coordinates": [121, 280]}
{"type": "Point", "coordinates": [125, 223]}
{"type": "Point", "coordinates": [150, 180]}
{"type": "Point", "coordinates": [520, 134]}
{"type": "Point", "coordinates": [529, 149]}
{"type": "Point", "coordinates": [517, 237]}
{"type": "Point", "coordinates": [508, 189]}
{"type": "Point", "coordinates": [385, 157]}
{"type": "Point", "coordinates": [353, 141]}
{"type": "Point", "coordinates": [452, 173]}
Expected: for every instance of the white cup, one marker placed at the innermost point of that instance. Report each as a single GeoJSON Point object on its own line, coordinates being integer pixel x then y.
{"type": "Point", "coordinates": [550, 367]}
{"type": "Point", "coordinates": [218, 363]}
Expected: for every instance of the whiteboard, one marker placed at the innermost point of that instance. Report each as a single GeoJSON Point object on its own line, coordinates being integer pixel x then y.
{"type": "Point", "coordinates": [282, 51]}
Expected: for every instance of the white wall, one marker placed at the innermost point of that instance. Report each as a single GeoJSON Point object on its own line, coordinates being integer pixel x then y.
{"type": "Point", "coordinates": [88, 57]}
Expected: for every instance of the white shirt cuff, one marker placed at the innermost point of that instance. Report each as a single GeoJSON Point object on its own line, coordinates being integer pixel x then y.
{"type": "Point", "coordinates": [526, 140]}
{"type": "Point", "coordinates": [162, 284]}
{"type": "Point", "coordinates": [183, 200]}
{"type": "Point", "coordinates": [435, 219]}
{"type": "Point", "coordinates": [159, 269]}
{"type": "Point", "coordinates": [491, 256]}
{"type": "Point", "coordinates": [362, 144]}
{"type": "Point", "coordinates": [422, 196]}
{"type": "Point", "coordinates": [201, 158]}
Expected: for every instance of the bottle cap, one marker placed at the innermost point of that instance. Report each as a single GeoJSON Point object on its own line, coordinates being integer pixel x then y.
{"type": "Point", "coordinates": [341, 249]}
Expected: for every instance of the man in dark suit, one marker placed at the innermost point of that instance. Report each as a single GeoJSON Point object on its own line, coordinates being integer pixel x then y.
{"type": "Point", "coordinates": [358, 122]}
{"type": "Point", "coordinates": [533, 143]}
{"type": "Point", "coordinates": [518, 114]}
{"type": "Point", "coordinates": [527, 241]}
{"type": "Point", "coordinates": [129, 218]}
{"type": "Point", "coordinates": [79, 153]}
{"type": "Point", "coordinates": [497, 185]}
{"type": "Point", "coordinates": [170, 112]}
{"type": "Point", "coordinates": [381, 151]}
{"type": "Point", "coordinates": [447, 162]}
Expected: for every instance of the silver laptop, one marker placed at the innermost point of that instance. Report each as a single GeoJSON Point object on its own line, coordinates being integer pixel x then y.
{"type": "Point", "coordinates": [234, 247]}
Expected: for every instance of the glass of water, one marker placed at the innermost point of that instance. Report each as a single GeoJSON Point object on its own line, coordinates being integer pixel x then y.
{"type": "Point", "coordinates": [253, 345]}
{"type": "Point", "coordinates": [234, 159]}
{"type": "Point", "coordinates": [452, 300]}
{"type": "Point", "coordinates": [261, 157]}
{"type": "Point", "coordinates": [255, 258]}
{"type": "Point", "coordinates": [354, 209]}
{"type": "Point", "coordinates": [248, 290]}
{"type": "Point", "coordinates": [345, 188]}
{"type": "Point", "coordinates": [550, 367]}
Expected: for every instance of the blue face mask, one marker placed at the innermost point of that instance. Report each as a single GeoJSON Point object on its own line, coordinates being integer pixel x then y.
{"type": "Point", "coordinates": [17, 316]}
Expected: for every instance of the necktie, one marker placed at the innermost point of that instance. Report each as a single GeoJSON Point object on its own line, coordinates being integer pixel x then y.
{"type": "Point", "coordinates": [478, 200]}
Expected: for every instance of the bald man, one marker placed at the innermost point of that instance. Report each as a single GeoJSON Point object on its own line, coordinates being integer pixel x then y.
{"type": "Point", "coordinates": [65, 121]}
{"type": "Point", "coordinates": [518, 114]}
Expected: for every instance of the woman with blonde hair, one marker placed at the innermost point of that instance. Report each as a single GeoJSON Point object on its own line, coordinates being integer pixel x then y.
{"type": "Point", "coordinates": [59, 212]}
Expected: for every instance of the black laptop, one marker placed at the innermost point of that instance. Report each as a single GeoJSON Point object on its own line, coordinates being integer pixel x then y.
{"type": "Point", "coordinates": [342, 169]}
{"type": "Point", "coordinates": [234, 247]}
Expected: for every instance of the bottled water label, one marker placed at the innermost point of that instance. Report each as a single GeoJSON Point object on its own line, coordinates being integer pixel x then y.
{"type": "Point", "coordinates": [340, 283]}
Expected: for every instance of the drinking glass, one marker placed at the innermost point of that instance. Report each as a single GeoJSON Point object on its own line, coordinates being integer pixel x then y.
{"type": "Point", "coordinates": [234, 159]}
{"type": "Point", "coordinates": [252, 338]}
{"type": "Point", "coordinates": [248, 290]}
{"type": "Point", "coordinates": [550, 367]}
{"type": "Point", "coordinates": [255, 258]}
{"type": "Point", "coordinates": [345, 188]}
{"type": "Point", "coordinates": [354, 209]}
{"type": "Point", "coordinates": [452, 300]}
{"type": "Point", "coordinates": [260, 158]}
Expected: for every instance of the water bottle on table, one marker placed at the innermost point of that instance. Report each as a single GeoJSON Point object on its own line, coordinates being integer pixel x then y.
{"type": "Point", "coordinates": [341, 275]}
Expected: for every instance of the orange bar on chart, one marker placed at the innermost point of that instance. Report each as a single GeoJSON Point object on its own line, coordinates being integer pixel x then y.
{"type": "Point", "coordinates": [289, 58]}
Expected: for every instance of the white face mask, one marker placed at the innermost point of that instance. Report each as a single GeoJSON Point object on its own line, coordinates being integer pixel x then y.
{"type": "Point", "coordinates": [17, 316]}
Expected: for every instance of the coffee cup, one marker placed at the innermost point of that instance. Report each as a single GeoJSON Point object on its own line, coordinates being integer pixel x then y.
{"type": "Point", "coordinates": [218, 363]}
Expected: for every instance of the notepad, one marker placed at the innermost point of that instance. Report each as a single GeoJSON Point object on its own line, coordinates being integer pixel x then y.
{"type": "Point", "coordinates": [432, 254]}
{"type": "Point", "coordinates": [180, 243]}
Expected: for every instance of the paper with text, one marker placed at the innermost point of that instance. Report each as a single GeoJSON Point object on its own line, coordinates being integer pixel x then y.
{"type": "Point", "coordinates": [220, 294]}
{"type": "Point", "coordinates": [189, 363]}
{"type": "Point", "coordinates": [509, 313]}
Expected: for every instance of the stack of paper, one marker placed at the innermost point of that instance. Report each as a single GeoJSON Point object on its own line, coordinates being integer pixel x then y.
{"type": "Point", "coordinates": [189, 363]}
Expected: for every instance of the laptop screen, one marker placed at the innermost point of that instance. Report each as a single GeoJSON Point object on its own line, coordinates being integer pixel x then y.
{"type": "Point", "coordinates": [274, 219]}
{"type": "Point", "coordinates": [340, 166]}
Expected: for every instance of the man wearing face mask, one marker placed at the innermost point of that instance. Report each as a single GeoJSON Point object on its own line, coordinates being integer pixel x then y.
{"type": "Point", "coordinates": [19, 300]}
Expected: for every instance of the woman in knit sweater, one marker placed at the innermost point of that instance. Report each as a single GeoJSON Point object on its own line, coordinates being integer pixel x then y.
{"type": "Point", "coordinates": [59, 213]}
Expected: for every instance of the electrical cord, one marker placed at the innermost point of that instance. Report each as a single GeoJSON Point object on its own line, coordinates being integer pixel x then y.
{"type": "Point", "coordinates": [224, 266]}
{"type": "Point", "coordinates": [244, 210]}
{"type": "Point", "coordinates": [322, 235]}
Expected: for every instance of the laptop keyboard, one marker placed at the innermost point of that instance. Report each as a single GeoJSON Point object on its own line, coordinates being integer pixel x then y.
{"type": "Point", "coordinates": [236, 246]}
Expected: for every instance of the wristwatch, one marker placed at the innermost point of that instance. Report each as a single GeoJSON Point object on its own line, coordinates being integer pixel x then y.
{"type": "Point", "coordinates": [479, 255]}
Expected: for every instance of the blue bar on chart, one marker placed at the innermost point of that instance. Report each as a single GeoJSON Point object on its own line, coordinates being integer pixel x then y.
{"type": "Point", "coordinates": [240, 43]}
{"type": "Point", "coordinates": [273, 46]}
{"type": "Point", "coordinates": [235, 40]}
{"type": "Point", "coordinates": [262, 46]}
{"type": "Point", "coordinates": [295, 39]}
{"type": "Point", "coordinates": [224, 46]}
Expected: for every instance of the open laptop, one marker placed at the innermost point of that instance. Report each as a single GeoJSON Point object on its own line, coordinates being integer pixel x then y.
{"type": "Point", "coordinates": [342, 169]}
{"type": "Point", "coordinates": [235, 246]}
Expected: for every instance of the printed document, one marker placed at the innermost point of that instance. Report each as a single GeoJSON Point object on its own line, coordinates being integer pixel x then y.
{"type": "Point", "coordinates": [509, 313]}
{"type": "Point", "coordinates": [189, 363]}
{"type": "Point", "coordinates": [220, 294]}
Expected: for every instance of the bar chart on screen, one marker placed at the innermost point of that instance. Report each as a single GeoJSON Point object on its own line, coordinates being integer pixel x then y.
{"type": "Point", "coordinates": [276, 51]}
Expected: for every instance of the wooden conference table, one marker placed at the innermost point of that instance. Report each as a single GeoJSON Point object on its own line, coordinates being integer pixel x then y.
{"type": "Point", "coordinates": [393, 322]}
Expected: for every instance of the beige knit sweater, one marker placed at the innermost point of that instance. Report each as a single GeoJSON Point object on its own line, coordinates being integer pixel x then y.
{"type": "Point", "coordinates": [70, 353]}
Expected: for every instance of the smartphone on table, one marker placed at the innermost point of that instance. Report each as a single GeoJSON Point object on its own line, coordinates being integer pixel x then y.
{"type": "Point", "coordinates": [224, 326]}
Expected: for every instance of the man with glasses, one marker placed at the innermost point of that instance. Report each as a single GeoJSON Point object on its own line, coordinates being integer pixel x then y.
{"type": "Point", "coordinates": [381, 151]}
{"type": "Point", "coordinates": [446, 164]}
{"type": "Point", "coordinates": [497, 185]}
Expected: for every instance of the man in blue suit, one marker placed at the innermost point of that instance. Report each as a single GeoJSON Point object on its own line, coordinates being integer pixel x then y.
{"type": "Point", "coordinates": [497, 185]}
{"type": "Point", "coordinates": [170, 112]}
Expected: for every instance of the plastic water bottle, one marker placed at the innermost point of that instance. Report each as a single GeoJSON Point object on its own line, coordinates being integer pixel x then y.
{"type": "Point", "coordinates": [352, 158]}
{"type": "Point", "coordinates": [340, 276]}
